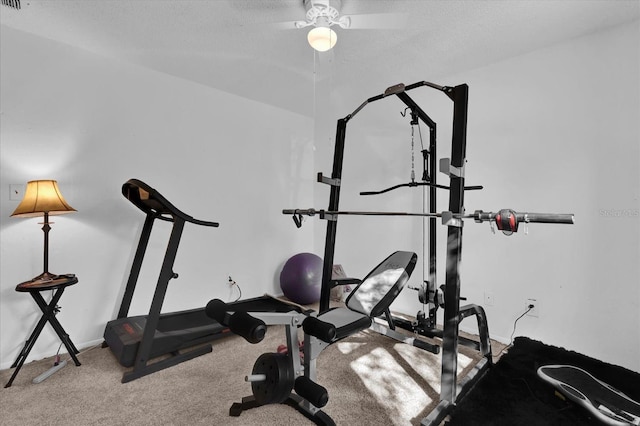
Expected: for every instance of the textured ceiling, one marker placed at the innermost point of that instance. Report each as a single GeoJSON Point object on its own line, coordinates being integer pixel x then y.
{"type": "Point", "coordinates": [233, 45]}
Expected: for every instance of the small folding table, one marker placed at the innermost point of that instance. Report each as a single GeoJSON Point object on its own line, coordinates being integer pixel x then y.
{"type": "Point", "coordinates": [49, 311]}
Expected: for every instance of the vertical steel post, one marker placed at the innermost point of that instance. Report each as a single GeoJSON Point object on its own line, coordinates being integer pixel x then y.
{"type": "Point", "coordinates": [332, 223]}
{"type": "Point", "coordinates": [460, 97]}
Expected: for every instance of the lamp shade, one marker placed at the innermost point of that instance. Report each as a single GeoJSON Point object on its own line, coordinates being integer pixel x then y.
{"type": "Point", "coordinates": [322, 38]}
{"type": "Point", "coordinates": [42, 196]}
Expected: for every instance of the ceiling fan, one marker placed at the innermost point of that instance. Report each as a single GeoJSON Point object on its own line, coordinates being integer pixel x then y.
{"type": "Point", "coordinates": [323, 14]}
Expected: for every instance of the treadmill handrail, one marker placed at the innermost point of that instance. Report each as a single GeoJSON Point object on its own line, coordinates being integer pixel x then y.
{"type": "Point", "coordinates": [155, 204]}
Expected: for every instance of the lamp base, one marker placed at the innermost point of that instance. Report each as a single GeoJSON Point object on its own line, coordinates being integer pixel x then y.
{"type": "Point", "coordinates": [44, 277]}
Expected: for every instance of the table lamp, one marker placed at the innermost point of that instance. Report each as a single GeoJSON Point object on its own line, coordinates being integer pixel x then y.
{"type": "Point", "coordinates": [43, 198]}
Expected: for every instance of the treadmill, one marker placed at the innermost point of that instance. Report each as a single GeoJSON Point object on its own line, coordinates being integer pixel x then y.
{"type": "Point", "coordinates": [138, 339]}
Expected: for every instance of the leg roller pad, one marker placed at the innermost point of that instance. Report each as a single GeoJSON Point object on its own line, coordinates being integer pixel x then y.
{"type": "Point", "coordinates": [311, 391]}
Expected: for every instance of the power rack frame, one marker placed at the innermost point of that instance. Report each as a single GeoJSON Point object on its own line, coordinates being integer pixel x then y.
{"type": "Point", "coordinates": [451, 391]}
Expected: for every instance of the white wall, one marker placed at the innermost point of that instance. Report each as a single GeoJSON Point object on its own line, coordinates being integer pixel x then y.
{"type": "Point", "coordinates": [92, 123]}
{"type": "Point", "coordinates": [557, 130]}
{"type": "Point", "coordinates": [552, 131]}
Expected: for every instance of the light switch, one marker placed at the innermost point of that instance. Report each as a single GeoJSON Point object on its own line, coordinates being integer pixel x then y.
{"type": "Point", "coordinates": [16, 191]}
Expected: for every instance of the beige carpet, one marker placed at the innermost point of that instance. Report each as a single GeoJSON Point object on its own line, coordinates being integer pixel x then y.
{"type": "Point", "coordinates": [371, 379]}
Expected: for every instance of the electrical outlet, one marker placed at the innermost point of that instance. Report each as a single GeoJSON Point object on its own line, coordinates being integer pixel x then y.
{"type": "Point", "coordinates": [488, 298]}
{"type": "Point", "coordinates": [535, 311]}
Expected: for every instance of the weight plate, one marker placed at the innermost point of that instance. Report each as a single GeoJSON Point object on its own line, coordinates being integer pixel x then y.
{"type": "Point", "coordinates": [279, 380]}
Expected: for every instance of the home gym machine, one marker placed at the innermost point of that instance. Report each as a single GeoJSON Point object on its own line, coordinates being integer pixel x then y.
{"type": "Point", "coordinates": [449, 298]}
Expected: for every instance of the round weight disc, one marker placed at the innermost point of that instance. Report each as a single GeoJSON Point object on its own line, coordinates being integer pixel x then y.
{"type": "Point", "coordinates": [279, 378]}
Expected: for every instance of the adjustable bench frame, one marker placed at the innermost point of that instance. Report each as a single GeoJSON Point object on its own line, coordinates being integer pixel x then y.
{"type": "Point", "coordinates": [252, 327]}
{"type": "Point", "coordinates": [276, 375]}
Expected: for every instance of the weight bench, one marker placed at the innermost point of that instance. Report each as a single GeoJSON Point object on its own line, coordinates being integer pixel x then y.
{"type": "Point", "coordinates": [276, 375]}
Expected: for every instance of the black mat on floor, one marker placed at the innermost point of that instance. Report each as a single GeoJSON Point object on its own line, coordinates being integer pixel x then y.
{"type": "Point", "coordinates": [511, 393]}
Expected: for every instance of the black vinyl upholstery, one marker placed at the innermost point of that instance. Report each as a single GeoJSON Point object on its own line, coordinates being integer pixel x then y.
{"type": "Point", "coordinates": [373, 296]}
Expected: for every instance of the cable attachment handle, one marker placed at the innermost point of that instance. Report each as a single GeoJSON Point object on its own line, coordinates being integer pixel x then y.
{"type": "Point", "coordinates": [297, 219]}
{"type": "Point", "coordinates": [297, 214]}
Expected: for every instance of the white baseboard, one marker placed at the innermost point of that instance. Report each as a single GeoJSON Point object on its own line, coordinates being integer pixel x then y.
{"type": "Point", "coordinates": [39, 356]}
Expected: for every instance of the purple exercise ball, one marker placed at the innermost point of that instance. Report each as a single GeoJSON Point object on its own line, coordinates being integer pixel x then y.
{"type": "Point", "coordinates": [301, 278]}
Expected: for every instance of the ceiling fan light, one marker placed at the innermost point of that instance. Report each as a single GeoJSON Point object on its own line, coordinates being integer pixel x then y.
{"type": "Point", "coordinates": [322, 38]}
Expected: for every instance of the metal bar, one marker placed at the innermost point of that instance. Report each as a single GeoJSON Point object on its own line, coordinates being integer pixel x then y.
{"type": "Point", "coordinates": [322, 213]}
{"type": "Point", "coordinates": [24, 353]}
{"type": "Point", "coordinates": [362, 105]}
{"type": "Point", "coordinates": [50, 313]}
{"type": "Point", "coordinates": [166, 274]}
{"type": "Point", "coordinates": [405, 88]}
{"type": "Point", "coordinates": [332, 225]}
{"type": "Point", "coordinates": [145, 370]}
{"type": "Point", "coordinates": [448, 377]}
{"type": "Point", "coordinates": [545, 218]}
{"type": "Point", "coordinates": [408, 101]}
{"type": "Point", "coordinates": [412, 184]}
{"type": "Point", "coordinates": [433, 257]}
{"type": "Point", "coordinates": [425, 83]}
{"type": "Point", "coordinates": [365, 213]}
{"type": "Point", "coordinates": [46, 228]}
{"type": "Point", "coordinates": [135, 268]}
{"type": "Point", "coordinates": [564, 218]}
{"type": "Point", "coordinates": [403, 338]}
{"type": "Point", "coordinates": [293, 317]}
{"type": "Point", "coordinates": [483, 327]}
